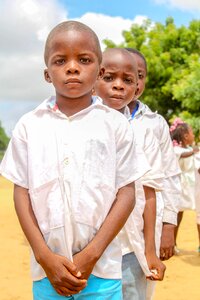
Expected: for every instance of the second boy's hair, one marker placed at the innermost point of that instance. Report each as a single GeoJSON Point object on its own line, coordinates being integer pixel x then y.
{"type": "Point", "coordinates": [122, 51]}
{"type": "Point", "coordinates": [76, 26]}
{"type": "Point", "coordinates": [135, 51]}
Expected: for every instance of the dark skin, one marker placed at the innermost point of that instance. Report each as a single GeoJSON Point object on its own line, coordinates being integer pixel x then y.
{"type": "Point", "coordinates": [118, 83]}
{"type": "Point", "coordinates": [72, 68]}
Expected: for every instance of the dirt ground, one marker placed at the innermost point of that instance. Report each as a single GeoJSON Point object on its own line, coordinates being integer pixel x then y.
{"type": "Point", "coordinates": [181, 281]}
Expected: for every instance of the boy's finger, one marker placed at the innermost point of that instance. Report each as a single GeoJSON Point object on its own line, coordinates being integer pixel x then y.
{"type": "Point", "coordinates": [152, 277]}
{"type": "Point", "coordinates": [70, 281]}
{"type": "Point", "coordinates": [66, 291]}
{"type": "Point", "coordinates": [72, 268]}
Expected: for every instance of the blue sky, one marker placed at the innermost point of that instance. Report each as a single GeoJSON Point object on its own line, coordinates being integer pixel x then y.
{"type": "Point", "coordinates": [157, 11]}
{"type": "Point", "coordinates": [24, 25]}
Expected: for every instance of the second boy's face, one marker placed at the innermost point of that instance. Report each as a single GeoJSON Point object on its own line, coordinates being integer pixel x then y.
{"type": "Point", "coordinates": [118, 84]}
{"type": "Point", "coordinates": [73, 65]}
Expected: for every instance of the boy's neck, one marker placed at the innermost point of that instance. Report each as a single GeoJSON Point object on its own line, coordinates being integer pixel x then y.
{"type": "Point", "coordinates": [70, 107]}
{"type": "Point", "coordinates": [132, 105]}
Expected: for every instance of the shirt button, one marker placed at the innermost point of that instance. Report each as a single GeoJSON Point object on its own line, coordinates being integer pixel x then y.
{"type": "Point", "coordinates": [66, 161]}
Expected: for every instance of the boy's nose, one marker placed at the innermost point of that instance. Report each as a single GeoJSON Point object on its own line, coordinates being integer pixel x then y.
{"type": "Point", "coordinates": [72, 68]}
{"type": "Point", "coordinates": [118, 85]}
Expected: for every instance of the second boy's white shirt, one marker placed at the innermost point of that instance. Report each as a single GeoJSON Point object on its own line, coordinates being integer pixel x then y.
{"type": "Point", "coordinates": [73, 168]}
{"type": "Point", "coordinates": [172, 188]}
{"type": "Point", "coordinates": [132, 236]}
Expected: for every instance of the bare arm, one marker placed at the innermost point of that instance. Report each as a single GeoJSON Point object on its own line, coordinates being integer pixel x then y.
{"type": "Point", "coordinates": [153, 261]}
{"type": "Point", "coordinates": [190, 153]}
{"type": "Point", "coordinates": [171, 196]}
{"type": "Point", "coordinates": [115, 220]}
{"type": "Point", "coordinates": [61, 272]}
{"type": "Point", "coordinates": [149, 219]}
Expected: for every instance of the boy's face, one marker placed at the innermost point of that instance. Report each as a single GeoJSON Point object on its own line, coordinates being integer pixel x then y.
{"type": "Point", "coordinates": [72, 64]}
{"type": "Point", "coordinates": [142, 73]}
{"type": "Point", "coordinates": [118, 84]}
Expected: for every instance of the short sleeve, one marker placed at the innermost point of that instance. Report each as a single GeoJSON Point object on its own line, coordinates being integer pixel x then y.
{"type": "Point", "coordinates": [131, 162]}
{"type": "Point", "coordinates": [179, 151]}
{"type": "Point", "coordinates": [149, 143]}
{"type": "Point", "coordinates": [14, 163]}
{"type": "Point", "coordinates": [197, 160]}
{"type": "Point", "coordinates": [169, 159]}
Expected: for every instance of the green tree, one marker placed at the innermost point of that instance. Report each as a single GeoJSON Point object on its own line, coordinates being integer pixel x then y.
{"type": "Point", "coordinates": [3, 139]}
{"type": "Point", "coordinates": [173, 59]}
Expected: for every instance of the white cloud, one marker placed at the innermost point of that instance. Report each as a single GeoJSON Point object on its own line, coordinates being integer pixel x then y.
{"type": "Point", "coordinates": [24, 25]}
{"type": "Point", "coordinates": [186, 5]}
{"type": "Point", "coordinates": [107, 27]}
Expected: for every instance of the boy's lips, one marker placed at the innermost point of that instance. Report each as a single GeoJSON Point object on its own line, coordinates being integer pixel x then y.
{"type": "Point", "coordinates": [72, 80]}
{"type": "Point", "coordinates": [118, 97]}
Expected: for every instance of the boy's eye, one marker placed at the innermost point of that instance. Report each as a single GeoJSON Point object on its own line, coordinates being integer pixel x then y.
{"type": "Point", "coordinates": [128, 80]}
{"type": "Point", "coordinates": [85, 60]}
{"type": "Point", "coordinates": [60, 61]}
{"type": "Point", "coordinates": [140, 76]}
{"type": "Point", "coordinates": [107, 78]}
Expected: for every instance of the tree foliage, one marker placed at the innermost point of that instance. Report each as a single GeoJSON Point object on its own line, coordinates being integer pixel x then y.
{"type": "Point", "coordinates": [173, 59]}
{"type": "Point", "coordinates": [3, 139]}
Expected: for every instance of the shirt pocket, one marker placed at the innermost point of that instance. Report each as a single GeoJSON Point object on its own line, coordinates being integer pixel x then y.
{"type": "Point", "coordinates": [47, 204]}
{"type": "Point", "coordinates": [97, 188]}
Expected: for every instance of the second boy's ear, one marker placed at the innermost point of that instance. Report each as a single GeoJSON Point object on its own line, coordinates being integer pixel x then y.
{"type": "Point", "coordinates": [46, 76]}
{"type": "Point", "coordinates": [101, 72]}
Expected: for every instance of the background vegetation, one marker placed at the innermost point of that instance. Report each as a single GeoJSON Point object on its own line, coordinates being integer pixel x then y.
{"type": "Point", "coordinates": [173, 59]}
{"type": "Point", "coordinates": [3, 141]}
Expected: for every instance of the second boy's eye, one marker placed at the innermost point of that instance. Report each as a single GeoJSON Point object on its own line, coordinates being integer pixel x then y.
{"type": "Point", "coordinates": [107, 78]}
{"type": "Point", "coordinates": [128, 80]}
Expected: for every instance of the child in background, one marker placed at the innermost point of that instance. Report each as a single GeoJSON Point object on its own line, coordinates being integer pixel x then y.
{"type": "Point", "coordinates": [183, 140]}
{"type": "Point", "coordinates": [166, 219]}
{"type": "Point", "coordinates": [117, 87]}
{"type": "Point", "coordinates": [73, 164]}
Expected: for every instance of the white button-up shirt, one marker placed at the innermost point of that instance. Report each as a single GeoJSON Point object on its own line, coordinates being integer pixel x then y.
{"type": "Point", "coordinates": [146, 123]}
{"type": "Point", "coordinates": [132, 236]}
{"type": "Point", "coordinates": [73, 167]}
{"type": "Point", "coordinates": [172, 189]}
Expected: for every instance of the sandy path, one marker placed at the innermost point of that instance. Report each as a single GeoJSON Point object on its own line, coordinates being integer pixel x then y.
{"type": "Point", "coordinates": [182, 276]}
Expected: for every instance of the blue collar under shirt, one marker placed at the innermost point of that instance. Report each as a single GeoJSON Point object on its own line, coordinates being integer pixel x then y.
{"type": "Point", "coordinates": [134, 111]}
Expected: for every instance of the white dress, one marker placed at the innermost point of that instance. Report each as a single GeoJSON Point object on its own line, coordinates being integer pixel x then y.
{"type": "Point", "coordinates": [188, 178]}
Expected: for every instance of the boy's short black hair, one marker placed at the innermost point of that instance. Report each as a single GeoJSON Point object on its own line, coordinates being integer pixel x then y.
{"type": "Point", "coordinates": [72, 25]}
{"type": "Point", "coordinates": [135, 51]}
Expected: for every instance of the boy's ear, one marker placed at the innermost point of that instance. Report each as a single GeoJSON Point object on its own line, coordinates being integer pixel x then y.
{"type": "Point", "coordinates": [46, 76]}
{"type": "Point", "coordinates": [101, 72]}
{"type": "Point", "coordinates": [136, 91]}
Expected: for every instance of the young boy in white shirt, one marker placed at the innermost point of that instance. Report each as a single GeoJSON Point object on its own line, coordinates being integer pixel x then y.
{"type": "Point", "coordinates": [117, 87]}
{"type": "Point", "coordinates": [73, 164]}
{"type": "Point", "coordinates": [166, 219]}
